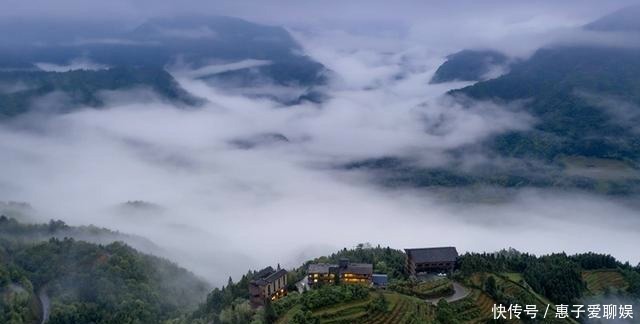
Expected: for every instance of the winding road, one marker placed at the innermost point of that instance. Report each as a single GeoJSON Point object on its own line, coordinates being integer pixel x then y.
{"type": "Point", "coordinates": [45, 303]}
{"type": "Point", "coordinates": [460, 292]}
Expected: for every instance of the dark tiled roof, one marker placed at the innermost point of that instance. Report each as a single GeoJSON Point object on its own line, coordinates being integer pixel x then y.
{"type": "Point", "coordinates": [267, 276]}
{"type": "Point", "coordinates": [321, 267]}
{"type": "Point", "coordinates": [436, 254]}
{"type": "Point", "coordinates": [264, 272]}
{"type": "Point", "coordinates": [356, 268]}
{"type": "Point", "coordinates": [359, 268]}
{"type": "Point", "coordinates": [276, 275]}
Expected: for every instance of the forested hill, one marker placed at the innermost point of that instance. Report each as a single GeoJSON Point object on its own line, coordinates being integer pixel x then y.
{"type": "Point", "coordinates": [57, 66]}
{"type": "Point", "coordinates": [505, 277]}
{"type": "Point", "coordinates": [471, 65]}
{"type": "Point", "coordinates": [192, 41]}
{"type": "Point", "coordinates": [17, 229]}
{"type": "Point", "coordinates": [75, 281]}
{"type": "Point", "coordinates": [21, 91]}
{"type": "Point", "coordinates": [584, 100]}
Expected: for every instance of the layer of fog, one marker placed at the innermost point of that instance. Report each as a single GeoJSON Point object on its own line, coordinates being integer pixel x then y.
{"type": "Point", "coordinates": [220, 209]}
{"type": "Point", "coordinates": [76, 64]}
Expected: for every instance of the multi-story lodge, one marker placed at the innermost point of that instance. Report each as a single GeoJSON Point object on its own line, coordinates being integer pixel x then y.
{"type": "Point", "coordinates": [344, 272]}
{"type": "Point", "coordinates": [436, 259]}
{"type": "Point", "coordinates": [268, 284]}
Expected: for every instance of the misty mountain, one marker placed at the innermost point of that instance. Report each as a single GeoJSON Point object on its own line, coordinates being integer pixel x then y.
{"type": "Point", "coordinates": [24, 33]}
{"type": "Point", "coordinates": [625, 19]}
{"type": "Point", "coordinates": [192, 41]}
{"type": "Point", "coordinates": [16, 229]}
{"type": "Point", "coordinates": [574, 92]}
{"type": "Point", "coordinates": [586, 104]}
{"type": "Point", "coordinates": [20, 91]}
{"type": "Point", "coordinates": [586, 98]}
{"type": "Point", "coordinates": [75, 281]}
{"type": "Point", "coordinates": [470, 65]}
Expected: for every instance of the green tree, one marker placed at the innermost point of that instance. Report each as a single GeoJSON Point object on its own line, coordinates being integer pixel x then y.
{"type": "Point", "coordinates": [269, 313]}
{"type": "Point", "coordinates": [303, 317]}
{"type": "Point", "coordinates": [490, 287]}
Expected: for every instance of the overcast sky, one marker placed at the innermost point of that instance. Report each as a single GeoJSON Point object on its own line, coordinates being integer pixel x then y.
{"type": "Point", "coordinates": [440, 24]}
{"type": "Point", "coordinates": [353, 13]}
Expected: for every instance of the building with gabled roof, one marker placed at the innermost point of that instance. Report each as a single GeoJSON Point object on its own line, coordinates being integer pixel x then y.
{"type": "Point", "coordinates": [268, 284]}
{"type": "Point", "coordinates": [344, 272]}
{"type": "Point", "coordinates": [435, 259]}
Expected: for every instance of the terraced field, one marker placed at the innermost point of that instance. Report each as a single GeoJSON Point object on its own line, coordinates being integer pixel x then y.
{"type": "Point", "coordinates": [599, 281]}
{"type": "Point", "coordinates": [402, 309]}
{"type": "Point", "coordinates": [344, 313]}
{"type": "Point", "coordinates": [513, 284]}
{"type": "Point", "coordinates": [476, 308]}
{"type": "Point", "coordinates": [473, 309]}
{"type": "Point", "coordinates": [431, 289]}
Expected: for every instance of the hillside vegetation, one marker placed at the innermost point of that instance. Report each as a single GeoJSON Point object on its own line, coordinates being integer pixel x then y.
{"type": "Point", "coordinates": [82, 88]}
{"type": "Point", "coordinates": [79, 282]}
{"type": "Point", "coordinates": [73, 281]}
{"type": "Point", "coordinates": [469, 65]}
{"type": "Point", "coordinates": [584, 101]}
{"type": "Point", "coordinates": [506, 277]}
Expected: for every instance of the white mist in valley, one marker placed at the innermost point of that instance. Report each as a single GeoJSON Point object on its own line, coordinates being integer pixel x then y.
{"type": "Point", "coordinates": [220, 208]}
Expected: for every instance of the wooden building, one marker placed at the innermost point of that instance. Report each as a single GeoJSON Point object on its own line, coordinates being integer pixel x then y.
{"type": "Point", "coordinates": [343, 272]}
{"type": "Point", "coordinates": [267, 284]}
{"type": "Point", "coordinates": [430, 260]}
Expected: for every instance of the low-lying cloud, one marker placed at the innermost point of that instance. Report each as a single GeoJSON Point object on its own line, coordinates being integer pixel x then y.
{"type": "Point", "coordinates": [76, 64]}
{"type": "Point", "coordinates": [217, 68]}
{"type": "Point", "coordinates": [220, 208]}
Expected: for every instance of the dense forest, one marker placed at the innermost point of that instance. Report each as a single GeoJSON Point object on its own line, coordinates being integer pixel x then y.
{"type": "Point", "coordinates": [82, 88]}
{"type": "Point", "coordinates": [556, 276]}
{"type": "Point", "coordinates": [79, 282]}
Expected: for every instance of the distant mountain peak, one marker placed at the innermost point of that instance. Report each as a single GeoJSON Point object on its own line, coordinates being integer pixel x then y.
{"type": "Point", "coordinates": [626, 19]}
{"type": "Point", "coordinates": [220, 28]}
{"type": "Point", "coordinates": [471, 65]}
